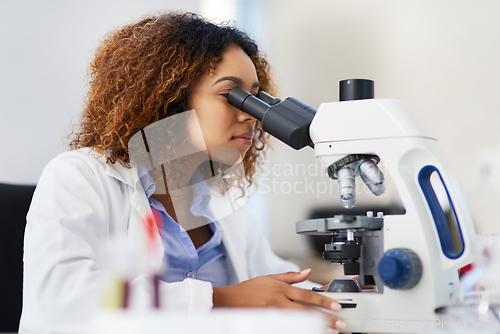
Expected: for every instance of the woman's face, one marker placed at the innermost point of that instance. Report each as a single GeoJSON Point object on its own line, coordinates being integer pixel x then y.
{"type": "Point", "coordinates": [222, 125]}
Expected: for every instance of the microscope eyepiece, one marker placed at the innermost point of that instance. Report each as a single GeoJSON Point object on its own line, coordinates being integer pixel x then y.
{"type": "Point", "coordinates": [248, 103]}
{"type": "Point", "coordinates": [237, 96]}
{"type": "Point", "coordinates": [287, 120]}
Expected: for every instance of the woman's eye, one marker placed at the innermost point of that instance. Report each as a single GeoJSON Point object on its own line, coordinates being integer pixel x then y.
{"type": "Point", "coordinates": [224, 94]}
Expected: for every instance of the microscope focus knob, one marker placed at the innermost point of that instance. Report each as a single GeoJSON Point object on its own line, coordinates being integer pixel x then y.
{"type": "Point", "coordinates": [400, 268]}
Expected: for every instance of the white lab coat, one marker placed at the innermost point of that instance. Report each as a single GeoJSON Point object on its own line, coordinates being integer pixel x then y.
{"type": "Point", "coordinates": [79, 204]}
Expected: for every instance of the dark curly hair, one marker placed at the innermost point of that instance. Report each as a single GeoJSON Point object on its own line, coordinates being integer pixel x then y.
{"type": "Point", "coordinates": [146, 71]}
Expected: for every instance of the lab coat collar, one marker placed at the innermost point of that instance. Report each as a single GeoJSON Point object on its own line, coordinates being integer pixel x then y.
{"type": "Point", "coordinates": [129, 176]}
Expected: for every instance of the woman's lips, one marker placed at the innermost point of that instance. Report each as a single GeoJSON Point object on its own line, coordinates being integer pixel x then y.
{"type": "Point", "coordinates": [243, 140]}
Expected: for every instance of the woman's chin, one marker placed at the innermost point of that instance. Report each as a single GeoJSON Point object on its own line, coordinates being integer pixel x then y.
{"type": "Point", "coordinates": [226, 155]}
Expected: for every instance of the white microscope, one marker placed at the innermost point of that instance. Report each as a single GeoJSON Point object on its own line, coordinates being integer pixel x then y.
{"type": "Point", "coordinates": [413, 258]}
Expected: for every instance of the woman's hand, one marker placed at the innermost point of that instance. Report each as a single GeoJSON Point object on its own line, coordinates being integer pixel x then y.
{"type": "Point", "coordinates": [276, 291]}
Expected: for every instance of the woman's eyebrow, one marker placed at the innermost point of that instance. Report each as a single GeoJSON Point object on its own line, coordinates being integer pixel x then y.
{"type": "Point", "coordinates": [236, 80]}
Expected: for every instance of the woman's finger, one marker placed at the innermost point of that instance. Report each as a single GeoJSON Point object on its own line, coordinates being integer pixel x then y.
{"type": "Point", "coordinates": [313, 298]}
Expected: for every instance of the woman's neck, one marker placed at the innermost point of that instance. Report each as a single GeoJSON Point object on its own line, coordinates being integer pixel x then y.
{"type": "Point", "coordinates": [173, 185]}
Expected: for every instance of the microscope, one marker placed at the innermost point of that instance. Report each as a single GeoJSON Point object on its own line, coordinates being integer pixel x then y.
{"type": "Point", "coordinates": [413, 258]}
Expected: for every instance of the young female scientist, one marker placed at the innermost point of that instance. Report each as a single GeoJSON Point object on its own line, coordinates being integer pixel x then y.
{"type": "Point", "coordinates": [160, 67]}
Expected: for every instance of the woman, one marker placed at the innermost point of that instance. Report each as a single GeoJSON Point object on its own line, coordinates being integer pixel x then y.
{"type": "Point", "coordinates": [143, 76]}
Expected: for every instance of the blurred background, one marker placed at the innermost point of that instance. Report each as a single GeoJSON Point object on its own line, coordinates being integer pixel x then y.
{"type": "Point", "coordinates": [440, 57]}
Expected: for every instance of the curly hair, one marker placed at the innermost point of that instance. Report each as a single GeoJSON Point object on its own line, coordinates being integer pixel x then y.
{"type": "Point", "coordinates": [146, 71]}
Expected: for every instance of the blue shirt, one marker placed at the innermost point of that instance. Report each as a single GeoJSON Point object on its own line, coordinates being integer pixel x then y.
{"type": "Point", "coordinates": [181, 258]}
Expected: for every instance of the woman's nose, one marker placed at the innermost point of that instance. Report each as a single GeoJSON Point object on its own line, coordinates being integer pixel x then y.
{"type": "Point", "coordinates": [244, 117]}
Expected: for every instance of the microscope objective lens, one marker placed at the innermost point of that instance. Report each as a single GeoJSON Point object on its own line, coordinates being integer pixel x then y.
{"type": "Point", "coordinates": [372, 177]}
{"type": "Point", "coordinates": [346, 187]}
